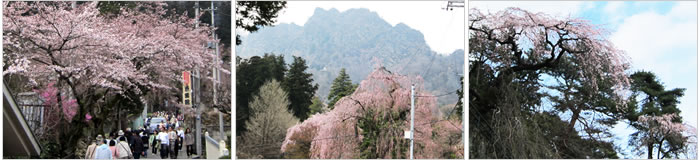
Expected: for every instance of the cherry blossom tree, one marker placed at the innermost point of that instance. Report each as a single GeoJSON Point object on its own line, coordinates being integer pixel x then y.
{"type": "Point", "coordinates": [103, 61]}
{"type": "Point", "coordinates": [662, 134]}
{"type": "Point", "coordinates": [60, 110]}
{"type": "Point", "coordinates": [691, 143]}
{"type": "Point", "coordinates": [383, 98]}
{"type": "Point", "coordinates": [533, 41]}
{"type": "Point", "coordinates": [513, 54]}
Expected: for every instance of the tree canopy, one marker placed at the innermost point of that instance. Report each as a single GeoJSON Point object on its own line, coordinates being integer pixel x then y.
{"type": "Point", "coordinates": [659, 128]}
{"type": "Point", "coordinates": [341, 87]}
{"type": "Point", "coordinates": [268, 124]}
{"type": "Point", "coordinates": [252, 15]}
{"type": "Point", "coordinates": [514, 58]}
{"type": "Point", "coordinates": [370, 122]}
{"type": "Point", "coordinates": [104, 62]}
{"type": "Point", "coordinates": [250, 75]}
{"type": "Point", "coordinates": [299, 83]}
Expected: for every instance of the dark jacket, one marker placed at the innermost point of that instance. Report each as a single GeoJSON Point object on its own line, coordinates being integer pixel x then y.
{"type": "Point", "coordinates": [137, 144]}
{"type": "Point", "coordinates": [144, 140]}
{"type": "Point", "coordinates": [128, 135]}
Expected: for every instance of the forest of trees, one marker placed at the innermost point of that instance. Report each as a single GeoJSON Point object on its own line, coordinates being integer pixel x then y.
{"type": "Point", "coordinates": [528, 69]}
{"type": "Point", "coordinates": [367, 120]}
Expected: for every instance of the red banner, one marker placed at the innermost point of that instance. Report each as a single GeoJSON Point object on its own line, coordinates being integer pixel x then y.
{"type": "Point", "coordinates": [186, 77]}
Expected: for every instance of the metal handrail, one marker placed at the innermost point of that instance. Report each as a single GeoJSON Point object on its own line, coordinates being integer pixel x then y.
{"type": "Point", "coordinates": [212, 140]}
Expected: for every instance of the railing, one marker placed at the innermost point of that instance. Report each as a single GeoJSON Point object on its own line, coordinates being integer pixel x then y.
{"type": "Point", "coordinates": [34, 116]}
{"type": "Point", "coordinates": [33, 110]}
{"type": "Point", "coordinates": [214, 149]}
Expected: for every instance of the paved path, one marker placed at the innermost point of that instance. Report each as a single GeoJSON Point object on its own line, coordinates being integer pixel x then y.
{"type": "Point", "coordinates": [182, 154]}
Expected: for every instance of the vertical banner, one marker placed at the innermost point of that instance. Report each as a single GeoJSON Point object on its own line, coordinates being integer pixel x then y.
{"type": "Point", "coordinates": [186, 89]}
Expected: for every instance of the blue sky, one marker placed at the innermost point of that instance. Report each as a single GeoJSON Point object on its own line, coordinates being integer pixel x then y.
{"type": "Point", "coordinates": [657, 36]}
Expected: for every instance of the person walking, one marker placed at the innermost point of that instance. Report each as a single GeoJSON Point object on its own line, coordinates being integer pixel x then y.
{"type": "Point", "coordinates": [173, 121]}
{"type": "Point", "coordinates": [102, 151]}
{"type": "Point", "coordinates": [113, 147]}
{"type": "Point", "coordinates": [90, 151]}
{"type": "Point", "coordinates": [180, 138]}
{"type": "Point", "coordinates": [172, 135]}
{"type": "Point", "coordinates": [127, 135]}
{"type": "Point", "coordinates": [189, 142]}
{"type": "Point", "coordinates": [144, 140]}
{"type": "Point", "coordinates": [136, 145]}
{"type": "Point", "coordinates": [153, 141]}
{"type": "Point", "coordinates": [164, 140]}
{"type": "Point", "coordinates": [123, 148]}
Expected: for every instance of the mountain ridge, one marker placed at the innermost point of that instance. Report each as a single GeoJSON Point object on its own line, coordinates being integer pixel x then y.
{"type": "Point", "coordinates": [331, 40]}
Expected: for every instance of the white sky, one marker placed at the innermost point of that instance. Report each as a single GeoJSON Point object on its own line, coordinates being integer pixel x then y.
{"type": "Point", "coordinates": [443, 30]}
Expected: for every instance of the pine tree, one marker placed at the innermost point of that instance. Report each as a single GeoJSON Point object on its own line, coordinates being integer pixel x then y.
{"type": "Point", "coordinates": [269, 122]}
{"type": "Point", "coordinates": [460, 94]}
{"type": "Point", "coordinates": [341, 87]}
{"type": "Point", "coordinates": [299, 85]}
{"type": "Point", "coordinates": [316, 106]}
{"type": "Point", "coordinates": [658, 102]}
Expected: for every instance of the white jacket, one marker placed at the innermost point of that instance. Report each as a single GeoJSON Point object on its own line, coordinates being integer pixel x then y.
{"type": "Point", "coordinates": [123, 150]}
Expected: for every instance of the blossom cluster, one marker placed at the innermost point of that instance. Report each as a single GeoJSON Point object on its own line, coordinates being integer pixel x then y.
{"type": "Point", "coordinates": [336, 135]}
{"type": "Point", "coordinates": [140, 46]}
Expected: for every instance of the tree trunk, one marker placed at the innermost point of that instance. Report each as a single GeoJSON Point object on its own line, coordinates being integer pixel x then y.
{"type": "Point", "coordinates": [119, 118]}
{"type": "Point", "coordinates": [650, 151]}
{"type": "Point", "coordinates": [658, 152]}
{"type": "Point", "coordinates": [574, 118]}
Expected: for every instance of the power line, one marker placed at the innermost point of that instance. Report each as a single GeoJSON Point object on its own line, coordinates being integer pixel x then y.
{"type": "Point", "coordinates": [430, 65]}
{"type": "Point", "coordinates": [336, 137]}
{"type": "Point", "coordinates": [440, 95]}
{"type": "Point", "coordinates": [279, 144]}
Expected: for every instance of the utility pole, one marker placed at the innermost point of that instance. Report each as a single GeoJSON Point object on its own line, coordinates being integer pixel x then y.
{"type": "Point", "coordinates": [198, 120]}
{"type": "Point", "coordinates": [215, 73]}
{"type": "Point", "coordinates": [413, 100]}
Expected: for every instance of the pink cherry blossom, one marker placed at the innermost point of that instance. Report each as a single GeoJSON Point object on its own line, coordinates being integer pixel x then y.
{"type": "Point", "coordinates": [335, 133]}
{"type": "Point", "coordinates": [114, 53]}
{"type": "Point", "coordinates": [526, 40]}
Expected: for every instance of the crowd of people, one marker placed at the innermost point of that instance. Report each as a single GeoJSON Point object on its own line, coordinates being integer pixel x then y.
{"type": "Point", "coordinates": [167, 138]}
{"type": "Point", "coordinates": [171, 119]}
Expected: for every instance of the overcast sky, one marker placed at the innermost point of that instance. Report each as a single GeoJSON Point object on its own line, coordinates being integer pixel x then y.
{"type": "Point", "coordinates": [657, 36]}
{"type": "Point", "coordinates": [443, 30]}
